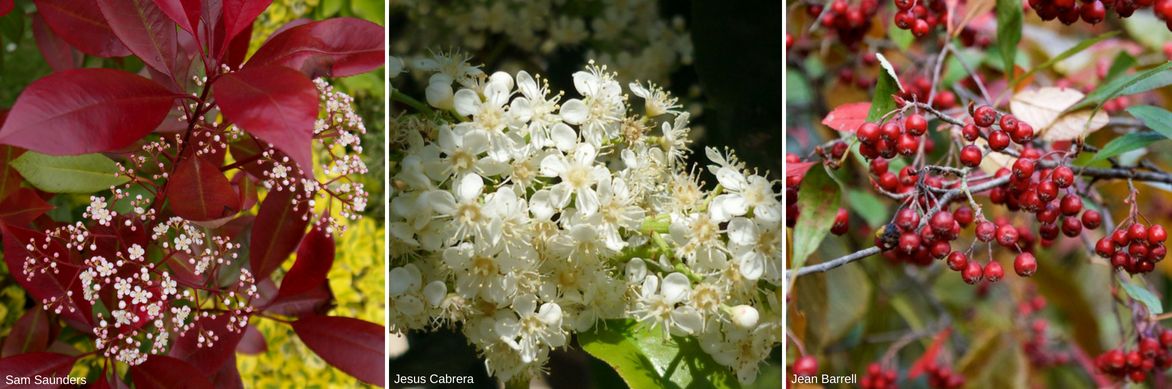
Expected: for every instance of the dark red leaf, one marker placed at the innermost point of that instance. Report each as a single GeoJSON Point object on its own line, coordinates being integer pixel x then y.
{"type": "Point", "coordinates": [246, 188]}
{"type": "Point", "coordinates": [22, 207]}
{"type": "Point", "coordinates": [277, 104]}
{"type": "Point", "coordinates": [57, 53]}
{"type": "Point", "coordinates": [84, 111]}
{"type": "Point", "coordinates": [10, 179]}
{"type": "Point", "coordinates": [929, 356]}
{"type": "Point", "coordinates": [198, 191]}
{"type": "Point", "coordinates": [314, 302]}
{"type": "Point", "coordinates": [185, 13]}
{"type": "Point", "coordinates": [163, 372]}
{"type": "Point", "coordinates": [337, 47]}
{"type": "Point", "coordinates": [229, 376]}
{"type": "Point", "coordinates": [253, 342]}
{"type": "Point", "coordinates": [315, 256]}
{"type": "Point", "coordinates": [239, 15]}
{"type": "Point", "coordinates": [278, 229]}
{"type": "Point", "coordinates": [30, 334]}
{"type": "Point", "coordinates": [144, 29]}
{"type": "Point", "coordinates": [81, 24]}
{"type": "Point", "coordinates": [6, 6]}
{"type": "Point", "coordinates": [353, 346]}
{"type": "Point", "coordinates": [238, 48]}
{"type": "Point", "coordinates": [43, 364]}
{"type": "Point", "coordinates": [847, 117]}
{"type": "Point", "coordinates": [47, 285]}
{"type": "Point", "coordinates": [212, 358]}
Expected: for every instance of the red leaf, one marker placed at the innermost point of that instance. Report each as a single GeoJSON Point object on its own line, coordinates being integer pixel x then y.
{"type": "Point", "coordinates": [229, 376]}
{"type": "Point", "coordinates": [276, 104]}
{"type": "Point", "coordinates": [314, 302]}
{"type": "Point", "coordinates": [238, 48]}
{"type": "Point", "coordinates": [277, 231]}
{"type": "Point", "coordinates": [246, 188]}
{"type": "Point", "coordinates": [160, 371]}
{"type": "Point", "coordinates": [798, 169]}
{"type": "Point", "coordinates": [929, 356]}
{"type": "Point", "coordinates": [337, 47]}
{"type": "Point", "coordinates": [84, 111]}
{"type": "Point", "coordinates": [185, 13]}
{"type": "Point", "coordinates": [353, 346]}
{"type": "Point", "coordinates": [239, 15]}
{"type": "Point", "coordinates": [144, 29]}
{"type": "Point", "coordinates": [30, 334]}
{"type": "Point", "coordinates": [199, 192]}
{"type": "Point", "coordinates": [22, 207]}
{"type": "Point", "coordinates": [43, 364]}
{"type": "Point", "coordinates": [57, 53]}
{"type": "Point", "coordinates": [81, 24]}
{"type": "Point", "coordinates": [847, 117]}
{"type": "Point", "coordinates": [315, 256]}
{"type": "Point", "coordinates": [253, 342]}
{"type": "Point", "coordinates": [6, 6]}
{"type": "Point", "coordinates": [207, 358]}
{"type": "Point", "coordinates": [47, 285]}
{"type": "Point", "coordinates": [10, 179]}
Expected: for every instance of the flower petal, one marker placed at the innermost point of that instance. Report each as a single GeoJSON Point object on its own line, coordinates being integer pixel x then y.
{"type": "Point", "coordinates": [676, 287]}
{"type": "Point", "coordinates": [550, 314]}
{"type": "Point", "coordinates": [469, 187]}
{"type": "Point", "coordinates": [574, 111]}
{"type": "Point", "coordinates": [467, 102]}
{"type": "Point", "coordinates": [435, 292]}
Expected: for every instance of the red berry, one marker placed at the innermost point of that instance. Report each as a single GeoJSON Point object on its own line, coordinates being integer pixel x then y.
{"type": "Point", "coordinates": [806, 366]}
{"type": "Point", "coordinates": [840, 222]}
{"type": "Point", "coordinates": [1166, 338]}
{"type": "Point", "coordinates": [1006, 235]}
{"type": "Point", "coordinates": [984, 116]}
{"type": "Point", "coordinates": [993, 272]}
{"type": "Point", "coordinates": [890, 131]}
{"type": "Point", "coordinates": [1070, 205]}
{"type": "Point", "coordinates": [1008, 123]}
{"type": "Point", "coordinates": [986, 230]}
{"type": "Point", "coordinates": [1156, 234]}
{"type": "Point", "coordinates": [941, 222]}
{"type": "Point", "coordinates": [905, 4]}
{"type": "Point", "coordinates": [1137, 232]}
{"type": "Point", "coordinates": [1023, 168]}
{"type": "Point", "coordinates": [908, 144]}
{"type": "Point", "coordinates": [998, 140]}
{"type": "Point", "coordinates": [915, 124]}
{"type": "Point", "coordinates": [1091, 219]}
{"type": "Point", "coordinates": [907, 219]}
{"type": "Point", "coordinates": [970, 156]}
{"type": "Point", "coordinates": [970, 132]}
{"type": "Point", "coordinates": [889, 182]}
{"type": "Point", "coordinates": [972, 273]}
{"type": "Point", "coordinates": [1047, 191]}
{"type": "Point", "coordinates": [940, 249]}
{"type": "Point", "coordinates": [1120, 237]}
{"type": "Point", "coordinates": [1025, 264]}
{"type": "Point", "coordinates": [838, 150]}
{"type": "Point", "coordinates": [1071, 226]}
{"type": "Point", "coordinates": [1093, 12]}
{"type": "Point", "coordinates": [904, 20]}
{"type": "Point", "coordinates": [957, 260]}
{"type": "Point", "coordinates": [920, 28]}
{"type": "Point", "coordinates": [1163, 9]}
{"type": "Point", "coordinates": [909, 242]}
{"type": "Point", "coordinates": [1158, 252]}
{"type": "Point", "coordinates": [1062, 176]}
{"type": "Point", "coordinates": [1120, 259]}
{"type": "Point", "coordinates": [868, 133]}
{"type": "Point", "coordinates": [1149, 346]}
{"type": "Point", "coordinates": [963, 216]}
{"type": "Point", "coordinates": [1104, 247]}
{"type": "Point", "coordinates": [1023, 134]}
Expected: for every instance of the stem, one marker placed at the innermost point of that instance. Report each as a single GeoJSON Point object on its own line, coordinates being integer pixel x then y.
{"type": "Point", "coordinates": [410, 101]}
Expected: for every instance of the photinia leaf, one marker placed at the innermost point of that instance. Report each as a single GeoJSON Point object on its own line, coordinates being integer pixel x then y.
{"type": "Point", "coordinates": [9, 177]}
{"type": "Point", "coordinates": [1143, 295]}
{"type": "Point", "coordinates": [315, 256]}
{"type": "Point", "coordinates": [351, 345]}
{"type": "Point", "coordinates": [29, 334]}
{"type": "Point", "coordinates": [239, 15]}
{"type": "Point", "coordinates": [81, 24]}
{"type": "Point", "coordinates": [1123, 144]}
{"type": "Point", "coordinates": [238, 49]}
{"type": "Point", "coordinates": [229, 376]}
{"type": "Point", "coordinates": [68, 174]}
{"type": "Point", "coordinates": [253, 342]}
{"type": "Point", "coordinates": [22, 207]}
{"type": "Point", "coordinates": [336, 47]}
{"type": "Point", "coordinates": [198, 191]}
{"type": "Point", "coordinates": [1156, 118]}
{"type": "Point", "coordinates": [185, 13]}
{"type": "Point", "coordinates": [847, 117]}
{"type": "Point", "coordinates": [6, 6]}
{"type": "Point", "coordinates": [275, 103]}
{"type": "Point", "coordinates": [57, 53]}
{"type": "Point", "coordinates": [644, 358]}
{"type": "Point", "coordinates": [42, 364]}
{"type": "Point", "coordinates": [84, 111]}
{"type": "Point", "coordinates": [1009, 17]}
{"type": "Point", "coordinates": [144, 29]}
{"type": "Point", "coordinates": [163, 372]}
{"type": "Point", "coordinates": [280, 224]}
{"type": "Point", "coordinates": [315, 301]}
{"type": "Point", "coordinates": [1064, 55]}
{"type": "Point", "coordinates": [818, 200]}
{"type": "Point", "coordinates": [886, 85]}
{"type": "Point", "coordinates": [187, 348]}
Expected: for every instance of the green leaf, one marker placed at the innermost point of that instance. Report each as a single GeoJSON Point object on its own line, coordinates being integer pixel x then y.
{"type": "Point", "coordinates": [902, 38]}
{"type": "Point", "coordinates": [869, 206]}
{"type": "Point", "coordinates": [887, 85]}
{"type": "Point", "coordinates": [1143, 295]}
{"type": "Point", "coordinates": [646, 359]}
{"type": "Point", "coordinates": [12, 26]}
{"type": "Point", "coordinates": [1146, 29]}
{"type": "Point", "coordinates": [798, 90]}
{"type": "Point", "coordinates": [1122, 62]}
{"type": "Point", "coordinates": [1123, 144]}
{"type": "Point", "coordinates": [1144, 81]}
{"type": "Point", "coordinates": [1008, 31]}
{"type": "Point", "coordinates": [85, 173]}
{"type": "Point", "coordinates": [1066, 54]}
{"type": "Point", "coordinates": [818, 200]}
{"type": "Point", "coordinates": [955, 70]}
{"type": "Point", "coordinates": [845, 306]}
{"type": "Point", "coordinates": [1156, 118]}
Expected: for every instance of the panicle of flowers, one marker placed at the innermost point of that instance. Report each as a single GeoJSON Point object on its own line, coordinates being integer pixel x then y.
{"type": "Point", "coordinates": [519, 216]}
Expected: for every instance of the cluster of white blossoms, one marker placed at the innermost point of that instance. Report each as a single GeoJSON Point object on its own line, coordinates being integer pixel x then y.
{"type": "Point", "coordinates": [627, 35]}
{"type": "Point", "coordinates": [520, 216]}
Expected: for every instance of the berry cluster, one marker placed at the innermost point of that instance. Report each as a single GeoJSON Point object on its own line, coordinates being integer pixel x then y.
{"type": "Point", "coordinates": [942, 377]}
{"type": "Point", "coordinates": [1037, 345]}
{"type": "Point", "coordinates": [1094, 11]}
{"type": "Point", "coordinates": [805, 366]}
{"type": "Point", "coordinates": [1150, 356]}
{"type": "Point", "coordinates": [918, 18]}
{"type": "Point", "coordinates": [850, 24]}
{"type": "Point", "coordinates": [902, 137]}
{"type": "Point", "coordinates": [1136, 248]}
{"type": "Point", "coordinates": [878, 378]}
{"type": "Point", "coordinates": [902, 243]}
{"type": "Point", "coordinates": [918, 87]}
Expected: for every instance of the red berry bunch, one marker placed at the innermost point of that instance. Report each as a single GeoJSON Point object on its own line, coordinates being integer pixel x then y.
{"type": "Point", "coordinates": [918, 248]}
{"type": "Point", "coordinates": [1135, 249]}
{"type": "Point", "coordinates": [1094, 11]}
{"type": "Point", "coordinates": [919, 88]}
{"type": "Point", "coordinates": [878, 378]}
{"type": "Point", "coordinates": [1037, 345]}
{"type": "Point", "coordinates": [913, 15]}
{"type": "Point", "coordinates": [942, 377]}
{"type": "Point", "coordinates": [895, 137]}
{"type": "Point", "coordinates": [849, 23]}
{"type": "Point", "coordinates": [1150, 355]}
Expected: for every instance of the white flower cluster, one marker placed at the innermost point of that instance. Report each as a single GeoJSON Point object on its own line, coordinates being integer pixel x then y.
{"type": "Point", "coordinates": [520, 217]}
{"type": "Point", "coordinates": [636, 40]}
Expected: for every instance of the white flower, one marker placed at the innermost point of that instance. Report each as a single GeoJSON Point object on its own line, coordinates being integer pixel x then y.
{"type": "Point", "coordinates": [661, 305]}
{"type": "Point", "coordinates": [533, 328]}
{"type": "Point", "coordinates": [578, 177]}
{"type": "Point", "coordinates": [534, 108]}
{"type": "Point", "coordinates": [698, 240]}
{"type": "Point", "coordinates": [744, 316]}
{"type": "Point", "coordinates": [490, 114]}
{"type": "Point", "coordinates": [135, 252]}
{"type": "Point", "coordinates": [616, 209]}
{"type": "Point", "coordinates": [97, 211]}
{"type": "Point", "coordinates": [439, 91]}
{"type": "Point", "coordinates": [464, 207]}
{"type": "Point", "coordinates": [655, 100]}
{"type": "Point", "coordinates": [601, 107]}
{"type": "Point", "coordinates": [744, 237]}
{"type": "Point", "coordinates": [396, 66]}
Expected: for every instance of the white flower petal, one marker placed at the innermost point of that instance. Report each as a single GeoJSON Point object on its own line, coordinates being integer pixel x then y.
{"type": "Point", "coordinates": [527, 85]}
{"type": "Point", "coordinates": [745, 316]}
{"type": "Point", "coordinates": [742, 231]}
{"type": "Point", "coordinates": [434, 292]}
{"type": "Point", "coordinates": [731, 179]}
{"type": "Point", "coordinates": [469, 187]}
{"type": "Point", "coordinates": [752, 265]}
{"type": "Point", "coordinates": [467, 102]}
{"type": "Point", "coordinates": [687, 319]}
{"type": "Point", "coordinates": [676, 287]}
{"type": "Point", "coordinates": [439, 96]}
{"type": "Point", "coordinates": [587, 201]}
{"type": "Point", "coordinates": [574, 111]}
{"type": "Point", "coordinates": [550, 314]}
{"type": "Point", "coordinates": [553, 165]}
{"type": "Point", "coordinates": [564, 137]}
{"type": "Point", "coordinates": [440, 201]}
{"type": "Point", "coordinates": [635, 270]}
